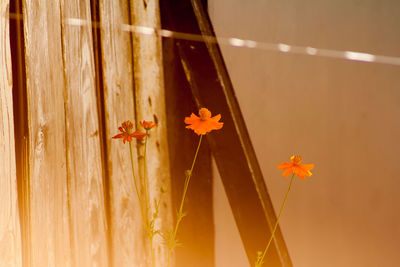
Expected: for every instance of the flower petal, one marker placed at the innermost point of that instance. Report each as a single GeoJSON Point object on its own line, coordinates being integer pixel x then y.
{"type": "Point", "coordinates": [216, 118]}
{"type": "Point", "coordinates": [284, 165]}
{"type": "Point", "coordinates": [138, 135]}
{"type": "Point", "coordinates": [300, 172]}
{"type": "Point", "coordinates": [118, 136]}
{"type": "Point", "coordinates": [192, 119]}
{"type": "Point", "coordinates": [287, 172]}
{"type": "Point", "coordinates": [215, 125]}
{"type": "Point", "coordinates": [307, 167]}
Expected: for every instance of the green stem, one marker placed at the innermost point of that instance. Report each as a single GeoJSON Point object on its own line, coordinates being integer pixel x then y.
{"type": "Point", "coordinates": [136, 184]}
{"type": "Point", "coordinates": [180, 212]}
{"type": "Point", "coordinates": [153, 258]}
{"type": "Point", "coordinates": [144, 182]}
{"type": "Point", "coordinates": [149, 229]}
{"type": "Point", "coordinates": [261, 259]}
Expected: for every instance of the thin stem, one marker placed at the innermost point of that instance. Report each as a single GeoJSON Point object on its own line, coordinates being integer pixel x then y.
{"type": "Point", "coordinates": [180, 212]}
{"type": "Point", "coordinates": [153, 258]}
{"type": "Point", "coordinates": [146, 193]}
{"type": "Point", "coordinates": [261, 259]}
{"type": "Point", "coordinates": [136, 184]}
{"type": "Point", "coordinates": [149, 227]}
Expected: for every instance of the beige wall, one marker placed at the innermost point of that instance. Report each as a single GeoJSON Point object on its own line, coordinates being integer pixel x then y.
{"type": "Point", "coordinates": [343, 116]}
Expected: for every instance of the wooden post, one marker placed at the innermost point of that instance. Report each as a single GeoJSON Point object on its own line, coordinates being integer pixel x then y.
{"type": "Point", "coordinates": [48, 207]}
{"type": "Point", "coordinates": [10, 236]}
{"type": "Point", "coordinates": [127, 233]}
{"type": "Point", "coordinates": [150, 105]}
{"type": "Point", "coordinates": [84, 160]}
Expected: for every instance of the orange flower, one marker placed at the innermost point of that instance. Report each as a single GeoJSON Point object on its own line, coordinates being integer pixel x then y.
{"type": "Point", "coordinates": [127, 134]}
{"type": "Point", "coordinates": [205, 123]}
{"type": "Point", "coordinates": [148, 125]}
{"type": "Point", "coordinates": [302, 170]}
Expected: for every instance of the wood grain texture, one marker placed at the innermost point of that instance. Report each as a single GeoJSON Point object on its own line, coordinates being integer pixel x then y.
{"type": "Point", "coordinates": [127, 235]}
{"type": "Point", "coordinates": [88, 222]}
{"type": "Point", "coordinates": [48, 210]}
{"type": "Point", "coordinates": [150, 105]}
{"type": "Point", "coordinates": [10, 236]}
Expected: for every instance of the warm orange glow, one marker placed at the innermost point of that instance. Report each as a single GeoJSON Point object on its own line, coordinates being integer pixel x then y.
{"type": "Point", "coordinates": [295, 166]}
{"type": "Point", "coordinates": [204, 123]}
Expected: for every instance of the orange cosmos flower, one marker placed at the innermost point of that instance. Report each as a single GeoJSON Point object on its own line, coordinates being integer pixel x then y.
{"type": "Point", "coordinates": [127, 134]}
{"type": "Point", "coordinates": [148, 125]}
{"type": "Point", "coordinates": [295, 166]}
{"type": "Point", "coordinates": [204, 123]}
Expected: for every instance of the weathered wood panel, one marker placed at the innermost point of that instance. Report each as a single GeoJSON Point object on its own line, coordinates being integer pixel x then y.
{"type": "Point", "coordinates": [48, 210]}
{"type": "Point", "coordinates": [127, 235]}
{"type": "Point", "coordinates": [10, 236]}
{"type": "Point", "coordinates": [84, 166]}
{"type": "Point", "coordinates": [150, 105]}
{"type": "Point", "coordinates": [20, 125]}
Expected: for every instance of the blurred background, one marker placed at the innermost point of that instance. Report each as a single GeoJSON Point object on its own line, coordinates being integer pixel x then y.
{"type": "Point", "coordinates": [67, 76]}
{"type": "Point", "coordinates": [341, 115]}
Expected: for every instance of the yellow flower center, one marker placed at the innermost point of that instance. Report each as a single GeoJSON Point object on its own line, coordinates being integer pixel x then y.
{"type": "Point", "coordinates": [296, 160]}
{"type": "Point", "coordinates": [204, 114]}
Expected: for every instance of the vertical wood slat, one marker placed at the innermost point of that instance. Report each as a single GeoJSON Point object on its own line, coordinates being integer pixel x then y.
{"type": "Point", "coordinates": [10, 236]}
{"type": "Point", "coordinates": [127, 235]}
{"type": "Point", "coordinates": [84, 167]}
{"type": "Point", "coordinates": [150, 105]}
{"type": "Point", "coordinates": [20, 125]}
{"type": "Point", "coordinates": [48, 210]}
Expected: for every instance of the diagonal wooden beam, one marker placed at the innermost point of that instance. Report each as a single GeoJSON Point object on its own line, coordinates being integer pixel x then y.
{"type": "Point", "coordinates": [234, 154]}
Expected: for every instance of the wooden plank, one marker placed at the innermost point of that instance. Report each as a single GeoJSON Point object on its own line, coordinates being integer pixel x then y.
{"type": "Point", "coordinates": [48, 210]}
{"type": "Point", "coordinates": [20, 125]}
{"type": "Point", "coordinates": [241, 175]}
{"type": "Point", "coordinates": [127, 235]}
{"type": "Point", "coordinates": [150, 105]}
{"type": "Point", "coordinates": [84, 167]}
{"type": "Point", "coordinates": [10, 235]}
{"type": "Point", "coordinates": [196, 232]}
